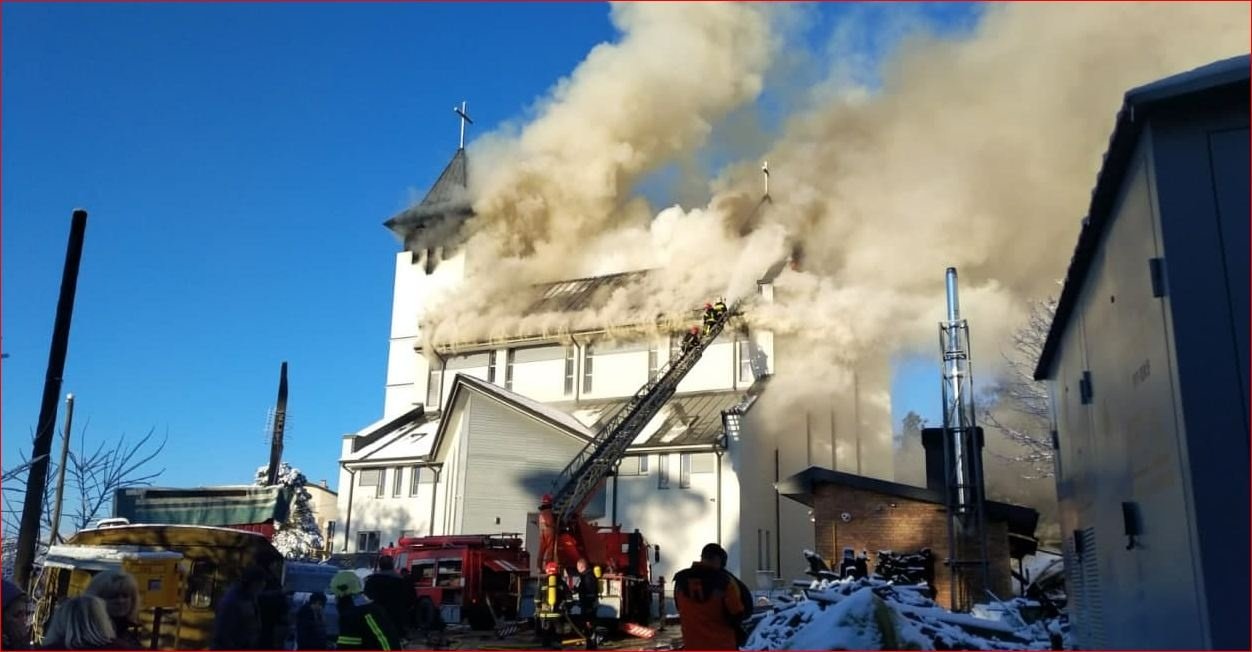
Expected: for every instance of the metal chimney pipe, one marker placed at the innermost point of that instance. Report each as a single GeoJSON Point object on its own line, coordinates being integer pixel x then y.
{"type": "Point", "coordinates": [954, 304]}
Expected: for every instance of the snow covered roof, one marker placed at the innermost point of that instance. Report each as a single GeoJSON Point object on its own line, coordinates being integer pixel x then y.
{"type": "Point", "coordinates": [1195, 86]}
{"type": "Point", "coordinates": [408, 436]}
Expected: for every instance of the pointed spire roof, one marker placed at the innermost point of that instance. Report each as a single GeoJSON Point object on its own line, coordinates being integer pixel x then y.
{"type": "Point", "coordinates": [448, 197]}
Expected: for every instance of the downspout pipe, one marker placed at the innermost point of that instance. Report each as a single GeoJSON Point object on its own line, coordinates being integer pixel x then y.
{"type": "Point", "coordinates": [434, 493]}
{"type": "Point", "coordinates": [347, 523]}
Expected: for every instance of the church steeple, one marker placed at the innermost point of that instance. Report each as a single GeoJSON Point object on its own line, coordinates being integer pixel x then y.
{"type": "Point", "coordinates": [437, 218]}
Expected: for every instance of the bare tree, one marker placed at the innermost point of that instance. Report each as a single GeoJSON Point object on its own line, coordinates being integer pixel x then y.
{"type": "Point", "coordinates": [91, 478]}
{"type": "Point", "coordinates": [1024, 398]}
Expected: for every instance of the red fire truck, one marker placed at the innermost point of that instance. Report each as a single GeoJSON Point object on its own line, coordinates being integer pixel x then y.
{"type": "Point", "coordinates": [468, 576]}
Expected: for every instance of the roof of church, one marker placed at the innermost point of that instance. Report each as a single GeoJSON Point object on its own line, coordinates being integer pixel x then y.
{"type": "Point", "coordinates": [578, 294]}
{"type": "Point", "coordinates": [447, 197]}
{"type": "Point", "coordinates": [688, 421]}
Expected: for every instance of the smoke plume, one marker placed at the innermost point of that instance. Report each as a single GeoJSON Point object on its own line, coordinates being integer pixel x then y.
{"type": "Point", "coordinates": [977, 152]}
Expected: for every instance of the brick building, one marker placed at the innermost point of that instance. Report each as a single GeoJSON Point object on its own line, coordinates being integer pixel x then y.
{"type": "Point", "coordinates": [868, 514]}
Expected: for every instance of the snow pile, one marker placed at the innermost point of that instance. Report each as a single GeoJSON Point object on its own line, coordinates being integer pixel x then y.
{"type": "Point", "coordinates": [299, 537]}
{"type": "Point", "coordinates": [870, 613]}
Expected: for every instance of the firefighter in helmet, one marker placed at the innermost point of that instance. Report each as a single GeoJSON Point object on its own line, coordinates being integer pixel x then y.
{"type": "Point", "coordinates": [710, 315]}
{"type": "Point", "coordinates": [691, 339]}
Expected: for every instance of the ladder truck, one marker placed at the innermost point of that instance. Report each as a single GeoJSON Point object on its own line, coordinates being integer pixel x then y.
{"type": "Point", "coordinates": [619, 559]}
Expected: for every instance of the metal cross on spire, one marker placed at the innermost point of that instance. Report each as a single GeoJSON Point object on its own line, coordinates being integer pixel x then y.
{"type": "Point", "coordinates": [765, 171]}
{"type": "Point", "coordinates": [464, 119]}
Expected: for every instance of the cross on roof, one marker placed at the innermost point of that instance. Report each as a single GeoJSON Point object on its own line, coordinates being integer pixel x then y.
{"type": "Point", "coordinates": [464, 119]}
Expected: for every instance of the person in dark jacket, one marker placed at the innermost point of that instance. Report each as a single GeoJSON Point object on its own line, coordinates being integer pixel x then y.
{"type": "Point", "coordinates": [711, 603]}
{"type": "Point", "coordinates": [237, 625]}
{"type": "Point", "coordinates": [275, 612]}
{"type": "Point", "coordinates": [363, 625]}
{"type": "Point", "coordinates": [588, 600]}
{"type": "Point", "coordinates": [311, 624]}
{"type": "Point", "coordinates": [389, 591]}
{"type": "Point", "coordinates": [15, 629]}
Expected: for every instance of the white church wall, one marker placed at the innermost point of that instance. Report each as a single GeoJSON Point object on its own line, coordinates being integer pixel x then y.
{"type": "Point", "coordinates": [715, 370]}
{"type": "Point", "coordinates": [679, 519]}
{"type": "Point", "coordinates": [616, 370]}
{"type": "Point", "coordinates": [511, 460]}
{"type": "Point", "coordinates": [537, 372]}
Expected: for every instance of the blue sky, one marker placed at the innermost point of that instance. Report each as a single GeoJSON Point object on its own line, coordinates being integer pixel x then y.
{"type": "Point", "coordinates": [237, 161]}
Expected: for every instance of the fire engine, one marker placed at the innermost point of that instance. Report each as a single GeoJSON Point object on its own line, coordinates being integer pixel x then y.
{"type": "Point", "coordinates": [466, 576]}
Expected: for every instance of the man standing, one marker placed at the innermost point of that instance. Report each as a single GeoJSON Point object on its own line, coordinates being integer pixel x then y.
{"type": "Point", "coordinates": [363, 625]}
{"type": "Point", "coordinates": [711, 603]}
{"type": "Point", "coordinates": [15, 630]}
{"type": "Point", "coordinates": [588, 600]}
{"type": "Point", "coordinates": [238, 622]}
{"type": "Point", "coordinates": [392, 593]}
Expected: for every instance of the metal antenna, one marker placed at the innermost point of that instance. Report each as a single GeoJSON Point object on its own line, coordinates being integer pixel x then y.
{"type": "Point", "coordinates": [464, 119]}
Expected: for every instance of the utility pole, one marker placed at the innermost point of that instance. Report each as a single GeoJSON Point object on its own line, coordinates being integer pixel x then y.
{"type": "Point", "coordinates": [280, 424]}
{"type": "Point", "coordinates": [65, 449]}
{"type": "Point", "coordinates": [37, 477]}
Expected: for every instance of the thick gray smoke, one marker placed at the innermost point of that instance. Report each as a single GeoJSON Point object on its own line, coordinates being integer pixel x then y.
{"type": "Point", "coordinates": [977, 152]}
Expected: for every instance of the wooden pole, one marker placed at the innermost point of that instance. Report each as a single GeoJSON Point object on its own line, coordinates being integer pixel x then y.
{"type": "Point", "coordinates": [37, 477]}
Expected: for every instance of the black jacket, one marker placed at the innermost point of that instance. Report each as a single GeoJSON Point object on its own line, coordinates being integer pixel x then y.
{"type": "Point", "coordinates": [364, 625]}
{"type": "Point", "coordinates": [393, 594]}
{"type": "Point", "coordinates": [237, 625]}
{"type": "Point", "coordinates": [588, 588]}
{"type": "Point", "coordinates": [310, 629]}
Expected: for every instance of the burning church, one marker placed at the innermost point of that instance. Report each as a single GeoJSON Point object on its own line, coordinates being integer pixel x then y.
{"type": "Point", "coordinates": [476, 427]}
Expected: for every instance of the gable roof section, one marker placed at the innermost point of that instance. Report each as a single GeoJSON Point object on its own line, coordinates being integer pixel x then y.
{"type": "Point", "coordinates": [801, 487]}
{"type": "Point", "coordinates": [686, 421]}
{"type": "Point", "coordinates": [1138, 104]}
{"type": "Point", "coordinates": [541, 412]}
{"type": "Point", "coordinates": [447, 197]}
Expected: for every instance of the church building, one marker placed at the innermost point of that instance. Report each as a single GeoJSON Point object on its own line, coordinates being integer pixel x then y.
{"type": "Point", "coordinates": [471, 438]}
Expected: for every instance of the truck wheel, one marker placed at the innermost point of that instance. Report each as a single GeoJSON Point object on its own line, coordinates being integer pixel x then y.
{"type": "Point", "coordinates": [427, 614]}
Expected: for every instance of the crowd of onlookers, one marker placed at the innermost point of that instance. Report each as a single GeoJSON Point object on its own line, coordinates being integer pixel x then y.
{"type": "Point", "coordinates": [253, 614]}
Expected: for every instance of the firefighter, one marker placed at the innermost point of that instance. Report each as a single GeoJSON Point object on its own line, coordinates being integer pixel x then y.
{"type": "Point", "coordinates": [691, 339]}
{"type": "Point", "coordinates": [363, 625]}
{"type": "Point", "coordinates": [710, 315]}
{"type": "Point", "coordinates": [719, 308]}
{"type": "Point", "coordinates": [588, 600]}
{"type": "Point", "coordinates": [711, 603]}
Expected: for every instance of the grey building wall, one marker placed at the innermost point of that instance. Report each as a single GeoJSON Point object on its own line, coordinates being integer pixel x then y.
{"type": "Point", "coordinates": [1164, 426]}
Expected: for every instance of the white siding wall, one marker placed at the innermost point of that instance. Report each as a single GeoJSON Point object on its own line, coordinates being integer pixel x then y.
{"type": "Point", "coordinates": [680, 520]}
{"type": "Point", "coordinates": [617, 370]}
{"type": "Point", "coordinates": [414, 291]}
{"type": "Point", "coordinates": [538, 373]}
{"type": "Point", "coordinates": [715, 370]}
{"type": "Point", "coordinates": [512, 460]}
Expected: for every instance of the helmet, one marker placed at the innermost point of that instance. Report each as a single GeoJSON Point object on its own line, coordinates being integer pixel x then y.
{"type": "Point", "coordinates": [707, 306]}
{"type": "Point", "coordinates": [695, 330]}
{"type": "Point", "coordinates": [345, 583]}
{"type": "Point", "coordinates": [546, 500]}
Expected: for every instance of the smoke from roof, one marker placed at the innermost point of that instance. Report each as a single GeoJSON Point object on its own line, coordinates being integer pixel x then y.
{"type": "Point", "coordinates": [976, 151]}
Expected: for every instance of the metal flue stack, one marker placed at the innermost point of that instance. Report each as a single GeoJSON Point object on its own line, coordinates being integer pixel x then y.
{"type": "Point", "coordinates": [962, 447]}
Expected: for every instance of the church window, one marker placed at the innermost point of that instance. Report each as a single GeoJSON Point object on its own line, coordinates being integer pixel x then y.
{"type": "Point", "coordinates": [491, 367]}
{"type": "Point", "coordinates": [653, 362]}
{"type": "Point", "coordinates": [570, 352]}
{"type": "Point", "coordinates": [745, 360]}
{"type": "Point", "coordinates": [588, 358]}
{"type": "Point", "coordinates": [414, 479]}
{"type": "Point", "coordinates": [434, 388]}
{"type": "Point", "coordinates": [508, 369]}
{"type": "Point", "coordinates": [396, 481]}
{"type": "Point", "coordinates": [367, 541]}
{"type": "Point", "coordinates": [370, 478]}
{"type": "Point", "coordinates": [662, 481]}
{"type": "Point", "coordinates": [684, 470]}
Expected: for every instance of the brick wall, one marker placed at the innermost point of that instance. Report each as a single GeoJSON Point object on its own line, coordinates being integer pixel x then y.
{"type": "Point", "coordinates": [883, 522]}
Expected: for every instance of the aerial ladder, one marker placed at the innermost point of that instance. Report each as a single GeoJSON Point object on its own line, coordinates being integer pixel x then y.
{"type": "Point", "coordinates": [565, 536]}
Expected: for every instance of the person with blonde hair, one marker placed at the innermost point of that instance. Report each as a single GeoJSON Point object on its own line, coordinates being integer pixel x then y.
{"type": "Point", "coordinates": [120, 593]}
{"type": "Point", "coordinates": [80, 623]}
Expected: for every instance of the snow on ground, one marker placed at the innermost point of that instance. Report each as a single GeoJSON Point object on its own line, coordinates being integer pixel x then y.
{"type": "Point", "coordinates": [871, 614]}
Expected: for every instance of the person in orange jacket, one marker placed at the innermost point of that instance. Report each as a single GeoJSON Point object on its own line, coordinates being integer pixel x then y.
{"type": "Point", "coordinates": [710, 603]}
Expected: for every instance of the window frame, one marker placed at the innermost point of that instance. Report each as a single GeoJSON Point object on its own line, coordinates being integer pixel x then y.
{"type": "Point", "coordinates": [654, 359]}
{"type": "Point", "coordinates": [662, 467]}
{"type": "Point", "coordinates": [378, 540]}
{"type": "Point", "coordinates": [397, 482]}
{"type": "Point", "coordinates": [684, 470]}
{"type": "Point", "coordinates": [571, 369]}
{"type": "Point", "coordinates": [434, 387]}
{"type": "Point", "coordinates": [744, 372]}
{"type": "Point", "coordinates": [588, 367]}
{"type": "Point", "coordinates": [508, 368]}
{"type": "Point", "coordinates": [415, 479]}
{"type": "Point", "coordinates": [491, 367]}
{"type": "Point", "coordinates": [361, 477]}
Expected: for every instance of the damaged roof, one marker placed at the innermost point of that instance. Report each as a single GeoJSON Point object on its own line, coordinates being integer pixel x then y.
{"type": "Point", "coordinates": [447, 197]}
{"type": "Point", "coordinates": [582, 293]}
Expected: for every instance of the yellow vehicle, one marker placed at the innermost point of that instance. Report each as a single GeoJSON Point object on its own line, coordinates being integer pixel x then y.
{"type": "Point", "coordinates": [182, 571]}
